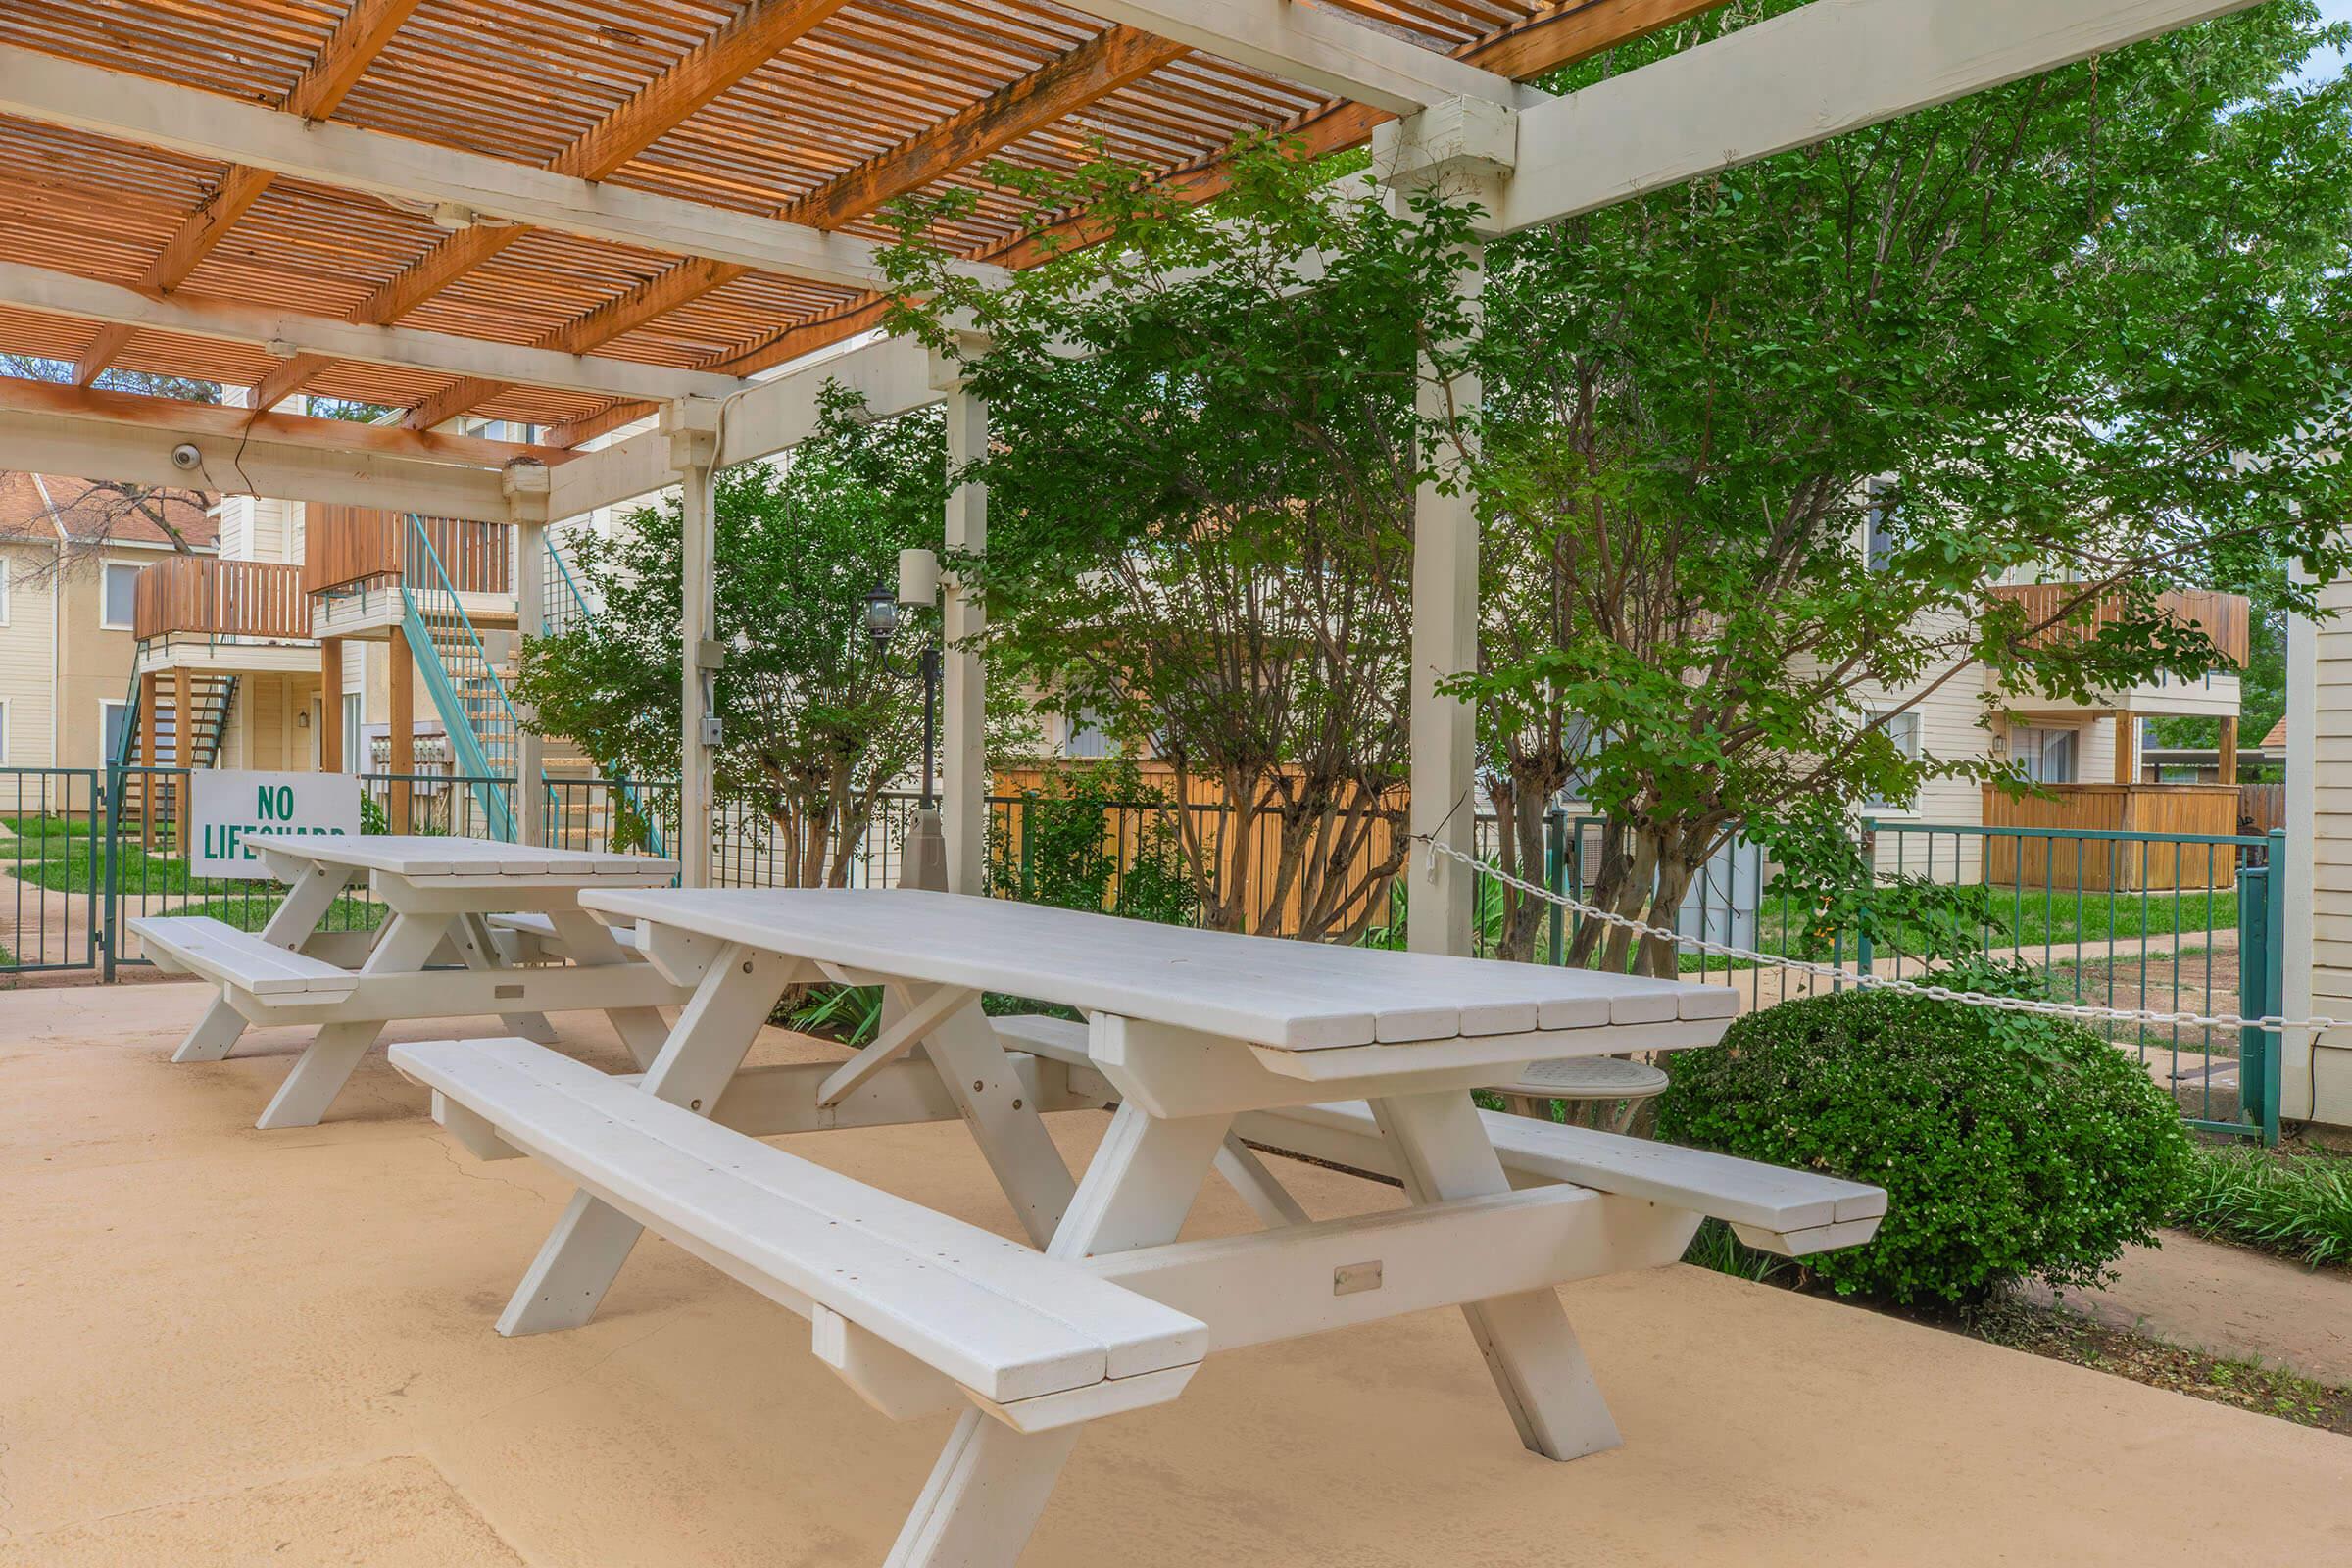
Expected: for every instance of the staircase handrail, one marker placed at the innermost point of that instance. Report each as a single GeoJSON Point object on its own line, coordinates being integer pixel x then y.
{"type": "Point", "coordinates": [463, 739]}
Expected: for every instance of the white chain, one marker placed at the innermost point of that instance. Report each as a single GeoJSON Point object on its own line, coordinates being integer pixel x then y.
{"type": "Point", "coordinates": [1881, 982]}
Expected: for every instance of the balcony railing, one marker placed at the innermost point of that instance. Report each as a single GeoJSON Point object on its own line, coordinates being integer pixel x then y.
{"type": "Point", "coordinates": [2227, 619]}
{"type": "Point", "coordinates": [352, 546]}
{"type": "Point", "coordinates": [209, 597]}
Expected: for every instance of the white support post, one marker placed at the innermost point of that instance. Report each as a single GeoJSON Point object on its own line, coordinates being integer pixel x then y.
{"type": "Point", "coordinates": [692, 425]}
{"type": "Point", "coordinates": [1452, 147]}
{"type": "Point", "coordinates": [526, 487]}
{"type": "Point", "coordinates": [963, 744]}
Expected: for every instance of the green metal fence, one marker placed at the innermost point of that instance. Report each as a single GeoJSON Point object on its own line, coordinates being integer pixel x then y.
{"type": "Point", "coordinates": [51, 846]}
{"type": "Point", "coordinates": [2155, 922]}
{"type": "Point", "coordinates": [2164, 923]}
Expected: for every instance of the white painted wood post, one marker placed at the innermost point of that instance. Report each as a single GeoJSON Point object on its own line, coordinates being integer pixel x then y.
{"type": "Point", "coordinates": [526, 485]}
{"type": "Point", "coordinates": [963, 743]}
{"type": "Point", "coordinates": [1441, 732]}
{"type": "Point", "coordinates": [692, 425]}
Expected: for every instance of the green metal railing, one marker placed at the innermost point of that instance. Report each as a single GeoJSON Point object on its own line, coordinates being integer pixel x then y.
{"type": "Point", "coordinates": [2165, 922]}
{"type": "Point", "coordinates": [484, 733]}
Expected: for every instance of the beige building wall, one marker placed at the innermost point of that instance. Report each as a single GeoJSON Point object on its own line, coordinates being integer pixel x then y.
{"type": "Point", "coordinates": [28, 652]}
{"type": "Point", "coordinates": [2316, 1076]}
{"type": "Point", "coordinates": [96, 658]}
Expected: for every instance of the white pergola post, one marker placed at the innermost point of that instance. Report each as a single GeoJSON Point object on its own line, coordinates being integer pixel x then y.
{"type": "Point", "coordinates": [964, 700]}
{"type": "Point", "coordinates": [692, 426]}
{"type": "Point", "coordinates": [1465, 147]}
{"type": "Point", "coordinates": [526, 488]}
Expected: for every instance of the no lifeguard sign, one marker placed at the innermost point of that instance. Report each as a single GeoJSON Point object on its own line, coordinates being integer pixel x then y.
{"type": "Point", "coordinates": [224, 806]}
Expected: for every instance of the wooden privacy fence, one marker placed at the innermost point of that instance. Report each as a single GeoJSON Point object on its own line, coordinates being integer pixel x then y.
{"type": "Point", "coordinates": [2261, 807]}
{"type": "Point", "coordinates": [211, 597]}
{"type": "Point", "coordinates": [1128, 828]}
{"type": "Point", "coordinates": [2150, 864]}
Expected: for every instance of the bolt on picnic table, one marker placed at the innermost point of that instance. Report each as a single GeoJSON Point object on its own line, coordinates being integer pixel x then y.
{"type": "Point", "coordinates": [1200, 1039]}
{"type": "Point", "coordinates": [479, 903]}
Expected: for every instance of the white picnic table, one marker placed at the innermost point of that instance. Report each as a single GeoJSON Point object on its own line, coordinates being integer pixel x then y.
{"type": "Point", "coordinates": [480, 902]}
{"type": "Point", "coordinates": [1200, 1039]}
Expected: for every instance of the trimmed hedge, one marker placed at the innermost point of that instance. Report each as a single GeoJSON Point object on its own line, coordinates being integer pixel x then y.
{"type": "Point", "coordinates": [2011, 1148]}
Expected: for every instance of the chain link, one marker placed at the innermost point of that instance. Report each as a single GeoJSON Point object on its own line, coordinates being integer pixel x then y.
{"type": "Point", "coordinates": [2080, 1012]}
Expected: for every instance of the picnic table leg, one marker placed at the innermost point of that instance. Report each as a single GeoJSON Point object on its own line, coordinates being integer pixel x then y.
{"type": "Point", "coordinates": [291, 924]}
{"type": "Point", "coordinates": [592, 945]}
{"type": "Point", "coordinates": [991, 1483]}
{"type": "Point", "coordinates": [569, 1278]}
{"type": "Point", "coordinates": [471, 934]}
{"type": "Point", "coordinates": [980, 1078]}
{"type": "Point", "coordinates": [325, 1063]}
{"type": "Point", "coordinates": [1260, 1189]}
{"type": "Point", "coordinates": [1443, 1152]}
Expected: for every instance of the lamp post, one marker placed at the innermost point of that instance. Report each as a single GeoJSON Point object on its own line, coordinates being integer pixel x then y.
{"type": "Point", "coordinates": [881, 624]}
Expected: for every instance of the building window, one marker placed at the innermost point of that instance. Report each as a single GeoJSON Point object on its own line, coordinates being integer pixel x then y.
{"type": "Point", "coordinates": [355, 760]}
{"type": "Point", "coordinates": [122, 590]}
{"type": "Point", "coordinates": [1087, 736]}
{"type": "Point", "coordinates": [1879, 534]}
{"type": "Point", "coordinates": [1904, 730]}
{"type": "Point", "coordinates": [2046, 755]}
{"type": "Point", "coordinates": [113, 716]}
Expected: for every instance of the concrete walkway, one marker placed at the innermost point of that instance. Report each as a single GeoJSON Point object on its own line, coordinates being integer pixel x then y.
{"type": "Point", "coordinates": [2230, 1301]}
{"type": "Point", "coordinates": [227, 1346]}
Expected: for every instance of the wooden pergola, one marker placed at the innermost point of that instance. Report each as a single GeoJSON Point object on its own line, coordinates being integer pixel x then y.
{"type": "Point", "coordinates": [575, 214]}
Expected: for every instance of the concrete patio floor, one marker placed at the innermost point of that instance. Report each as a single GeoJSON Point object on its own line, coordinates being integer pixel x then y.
{"type": "Point", "coordinates": [225, 1347]}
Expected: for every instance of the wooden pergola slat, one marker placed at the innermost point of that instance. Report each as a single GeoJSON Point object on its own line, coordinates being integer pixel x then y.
{"type": "Point", "coordinates": [357, 41]}
{"type": "Point", "coordinates": [707, 71]}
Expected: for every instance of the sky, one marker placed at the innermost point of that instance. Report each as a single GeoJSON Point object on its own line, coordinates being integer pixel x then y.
{"type": "Point", "coordinates": [2325, 65]}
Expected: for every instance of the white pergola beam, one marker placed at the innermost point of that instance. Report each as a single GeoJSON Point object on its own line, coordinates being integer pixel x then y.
{"type": "Point", "coordinates": [262, 465]}
{"type": "Point", "coordinates": [286, 333]}
{"type": "Point", "coordinates": [892, 375]}
{"type": "Point", "coordinates": [1317, 48]}
{"type": "Point", "coordinates": [1804, 76]}
{"type": "Point", "coordinates": [155, 114]}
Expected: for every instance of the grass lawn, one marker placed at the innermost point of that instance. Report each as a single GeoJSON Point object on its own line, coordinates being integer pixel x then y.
{"type": "Point", "coordinates": [60, 855]}
{"type": "Point", "coordinates": [2035, 917]}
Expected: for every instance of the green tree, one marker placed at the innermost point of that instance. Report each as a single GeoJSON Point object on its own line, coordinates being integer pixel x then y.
{"type": "Point", "coordinates": [2085, 329]}
{"type": "Point", "coordinates": [815, 728]}
{"type": "Point", "coordinates": [1200, 526]}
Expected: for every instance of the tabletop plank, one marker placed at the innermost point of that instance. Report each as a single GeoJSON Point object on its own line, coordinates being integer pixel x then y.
{"type": "Point", "coordinates": [423, 854]}
{"type": "Point", "coordinates": [1297, 996]}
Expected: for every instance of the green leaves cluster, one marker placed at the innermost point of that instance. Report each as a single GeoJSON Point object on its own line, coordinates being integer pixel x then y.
{"type": "Point", "coordinates": [1200, 493]}
{"type": "Point", "coordinates": [814, 725]}
{"type": "Point", "coordinates": [2005, 1158]}
{"type": "Point", "coordinates": [2086, 328]}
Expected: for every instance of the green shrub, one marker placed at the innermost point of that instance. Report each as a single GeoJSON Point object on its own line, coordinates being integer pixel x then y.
{"type": "Point", "coordinates": [2011, 1148]}
{"type": "Point", "coordinates": [2299, 1205]}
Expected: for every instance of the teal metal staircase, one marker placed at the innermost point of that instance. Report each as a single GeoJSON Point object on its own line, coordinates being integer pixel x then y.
{"type": "Point", "coordinates": [485, 737]}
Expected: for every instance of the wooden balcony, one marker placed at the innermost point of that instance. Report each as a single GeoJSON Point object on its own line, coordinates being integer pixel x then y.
{"type": "Point", "coordinates": [207, 597]}
{"type": "Point", "coordinates": [2227, 619]}
{"type": "Point", "coordinates": [345, 547]}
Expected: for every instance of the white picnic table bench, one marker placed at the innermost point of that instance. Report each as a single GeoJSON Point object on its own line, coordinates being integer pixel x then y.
{"type": "Point", "coordinates": [1211, 1047]}
{"type": "Point", "coordinates": [504, 911]}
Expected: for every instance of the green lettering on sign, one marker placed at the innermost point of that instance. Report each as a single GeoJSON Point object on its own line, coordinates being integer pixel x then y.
{"type": "Point", "coordinates": [276, 805]}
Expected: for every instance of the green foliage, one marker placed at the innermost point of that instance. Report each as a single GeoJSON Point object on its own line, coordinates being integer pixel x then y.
{"type": "Point", "coordinates": [2010, 1148]}
{"type": "Point", "coordinates": [1200, 530]}
{"type": "Point", "coordinates": [1098, 838]}
{"type": "Point", "coordinates": [815, 726]}
{"type": "Point", "coordinates": [2296, 1204]}
{"type": "Point", "coordinates": [373, 816]}
{"type": "Point", "coordinates": [2086, 327]}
